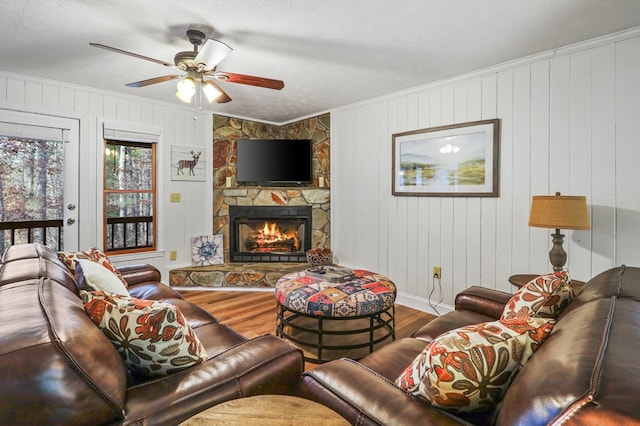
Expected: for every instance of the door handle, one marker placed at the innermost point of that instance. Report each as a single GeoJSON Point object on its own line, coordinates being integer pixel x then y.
{"type": "Point", "coordinates": [71, 221]}
{"type": "Point", "coordinates": [71, 206]}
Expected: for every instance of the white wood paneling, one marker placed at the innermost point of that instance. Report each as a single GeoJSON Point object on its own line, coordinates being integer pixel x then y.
{"type": "Point", "coordinates": [569, 123]}
{"type": "Point", "coordinates": [521, 164]}
{"type": "Point", "coordinates": [180, 126]}
{"type": "Point", "coordinates": [504, 204]}
{"type": "Point", "coordinates": [474, 205]}
{"type": "Point", "coordinates": [579, 242]}
{"type": "Point", "coordinates": [539, 160]}
{"type": "Point", "coordinates": [603, 161]}
{"type": "Point", "coordinates": [489, 217]}
{"type": "Point", "coordinates": [627, 151]}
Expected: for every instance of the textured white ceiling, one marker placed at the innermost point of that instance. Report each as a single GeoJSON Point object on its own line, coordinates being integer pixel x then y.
{"type": "Point", "coordinates": [329, 53]}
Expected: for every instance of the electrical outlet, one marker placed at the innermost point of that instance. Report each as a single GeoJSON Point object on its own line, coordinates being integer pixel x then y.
{"type": "Point", "coordinates": [174, 197]}
{"type": "Point", "coordinates": [437, 272]}
{"type": "Point", "coordinates": [173, 255]}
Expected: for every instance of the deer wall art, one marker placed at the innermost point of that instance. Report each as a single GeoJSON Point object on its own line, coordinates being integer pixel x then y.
{"type": "Point", "coordinates": [189, 164]}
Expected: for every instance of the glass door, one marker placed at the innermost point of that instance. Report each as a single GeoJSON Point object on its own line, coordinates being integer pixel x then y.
{"type": "Point", "coordinates": [38, 180]}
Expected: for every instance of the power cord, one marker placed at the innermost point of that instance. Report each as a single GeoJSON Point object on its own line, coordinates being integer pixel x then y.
{"type": "Point", "coordinates": [433, 288]}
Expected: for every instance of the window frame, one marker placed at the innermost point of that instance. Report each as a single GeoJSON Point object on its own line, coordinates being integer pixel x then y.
{"type": "Point", "coordinates": [153, 191]}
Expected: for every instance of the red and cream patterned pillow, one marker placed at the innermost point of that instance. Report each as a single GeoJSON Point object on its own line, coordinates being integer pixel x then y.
{"type": "Point", "coordinates": [94, 254]}
{"type": "Point", "coordinates": [470, 368]}
{"type": "Point", "coordinates": [152, 337]}
{"type": "Point", "coordinates": [545, 296]}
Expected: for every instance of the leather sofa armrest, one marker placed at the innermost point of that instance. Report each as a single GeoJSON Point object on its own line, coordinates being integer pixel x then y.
{"type": "Point", "coordinates": [364, 397]}
{"type": "Point", "coordinates": [262, 365]}
{"type": "Point", "coordinates": [140, 273]}
{"type": "Point", "coordinates": [482, 300]}
{"type": "Point", "coordinates": [145, 282]}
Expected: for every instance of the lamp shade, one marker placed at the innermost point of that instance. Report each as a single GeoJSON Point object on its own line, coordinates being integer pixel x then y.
{"type": "Point", "coordinates": [559, 212]}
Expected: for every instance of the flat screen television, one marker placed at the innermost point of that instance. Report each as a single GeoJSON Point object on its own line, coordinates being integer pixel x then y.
{"type": "Point", "coordinates": [271, 161]}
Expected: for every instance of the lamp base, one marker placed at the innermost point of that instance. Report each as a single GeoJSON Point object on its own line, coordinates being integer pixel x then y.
{"type": "Point", "coordinates": [557, 255]}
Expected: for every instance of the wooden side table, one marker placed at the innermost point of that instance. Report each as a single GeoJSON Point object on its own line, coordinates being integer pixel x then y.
{"type": "Point", "coordinates": [521, 279]}
{"type": "Point", "coordinates": [265, 410]}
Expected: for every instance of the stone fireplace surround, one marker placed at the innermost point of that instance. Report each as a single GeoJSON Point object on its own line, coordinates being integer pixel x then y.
{"type": "Point", "coordinates": [257, 274]}
{"type": "Point", "coordinates": [318, 199]}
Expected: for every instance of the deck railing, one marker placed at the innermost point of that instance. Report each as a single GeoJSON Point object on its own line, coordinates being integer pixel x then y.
{"type": "Point", "coordinates": [47, 232]}
{"type": "Point", "coordinates": [129, 233]}
{"type": "Point", "coordinates": [124, 233]}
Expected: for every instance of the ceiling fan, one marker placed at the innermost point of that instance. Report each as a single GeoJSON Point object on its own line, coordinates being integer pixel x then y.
{"type": "Point", "coordinates": [199, 68]}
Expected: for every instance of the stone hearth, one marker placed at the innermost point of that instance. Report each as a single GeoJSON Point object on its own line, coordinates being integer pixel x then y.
{"type": "Point", "coordinates": [233, 274]}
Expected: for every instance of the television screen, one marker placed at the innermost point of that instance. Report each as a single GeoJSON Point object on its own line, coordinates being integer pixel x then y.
{"type": "Point", "coordinates": [273, 161]}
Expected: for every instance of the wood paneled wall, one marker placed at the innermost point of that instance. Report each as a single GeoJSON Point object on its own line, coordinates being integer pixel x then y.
{"type": "Point", "coordinates": [570, 121]}
{"type": "Point", "coordinates": [178, 125]}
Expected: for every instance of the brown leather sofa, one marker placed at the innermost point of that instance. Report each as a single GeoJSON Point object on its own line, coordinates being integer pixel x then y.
{"type": "Point", "coordinates": [586, 373]}
{"type": "Point", "coordinates": [56, 366]}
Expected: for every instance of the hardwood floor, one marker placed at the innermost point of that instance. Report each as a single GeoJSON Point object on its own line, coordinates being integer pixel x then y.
{"type": "Point", "coordinates": [253, 313]}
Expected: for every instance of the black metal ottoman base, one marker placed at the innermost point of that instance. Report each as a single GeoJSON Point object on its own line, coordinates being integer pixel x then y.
{"type": "Point", "coordinates": [322, 334]}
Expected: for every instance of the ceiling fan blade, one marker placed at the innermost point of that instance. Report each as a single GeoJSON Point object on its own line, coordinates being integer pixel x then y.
{"type": "Point", "coordinates": [249, 79]}
{"type": "Point", "coordinates": [212, 52]}
{"type": "Point", "coordinates": [135, 55]}
{"type": "Point", "coordinates": [155, 80]}
{"type": "Point", "coordinates": [223, 98]}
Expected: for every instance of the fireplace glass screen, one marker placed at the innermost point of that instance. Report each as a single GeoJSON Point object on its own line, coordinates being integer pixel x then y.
{"type": "Point", "coordinates": [270, 236]}
{"type": "Point", "coordinates": [269, 233]}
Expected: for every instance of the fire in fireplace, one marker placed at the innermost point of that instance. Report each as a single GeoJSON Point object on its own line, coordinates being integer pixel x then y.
{"type": "Point", "coordinates": [269, 233]}
{"type": "Point", "coordinates": [269, 238]}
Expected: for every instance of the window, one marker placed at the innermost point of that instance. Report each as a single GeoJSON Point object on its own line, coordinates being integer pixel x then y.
{"type": "Point", "coordinates": [129, 196]}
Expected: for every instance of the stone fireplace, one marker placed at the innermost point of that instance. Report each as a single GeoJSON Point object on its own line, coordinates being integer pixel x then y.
{"type": "Point", "coordinates": [269, 233]}
{"type": "Point", "coordinates": [247, 266]}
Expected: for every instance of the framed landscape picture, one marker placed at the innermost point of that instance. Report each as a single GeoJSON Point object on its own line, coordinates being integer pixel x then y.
{"type": "Point", "coordinates": [458, 160]}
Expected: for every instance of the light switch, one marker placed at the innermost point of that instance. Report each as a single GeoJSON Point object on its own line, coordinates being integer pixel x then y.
{"type": "Point", "coordinates": [173, 255]}
{"type": "Point", "coordinates": [174, 197]}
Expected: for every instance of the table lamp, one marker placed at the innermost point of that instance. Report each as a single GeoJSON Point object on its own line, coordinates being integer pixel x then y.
{"type": "Point", "coordinates": [559, 212]}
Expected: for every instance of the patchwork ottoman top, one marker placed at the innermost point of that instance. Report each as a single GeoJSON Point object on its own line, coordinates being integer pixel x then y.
{"type": "Point", "coordinates": [368, 293]}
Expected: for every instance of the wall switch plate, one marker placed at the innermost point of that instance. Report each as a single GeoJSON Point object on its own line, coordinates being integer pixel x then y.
{"type": "Point", "coordinates": [173, 255]}
{"type": "Point", "coordinates": [174, 197]}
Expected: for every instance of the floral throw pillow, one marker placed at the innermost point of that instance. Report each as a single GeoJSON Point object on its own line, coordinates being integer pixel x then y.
{"type": "Point", "coordinates": [410, 377]}
{"type": "Point", "coordinates": [94, 254]}
{"type": "Point", "coordinates": [470, 368]}
{"type": "Point", "coordinates": [153, 338]}
{"type": "Point", "coordinates": [545, 296]}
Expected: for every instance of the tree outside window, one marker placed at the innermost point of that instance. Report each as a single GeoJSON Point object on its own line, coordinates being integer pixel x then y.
{"type": "Point", "coordinates": [129, 197]}
{"type": "Point", "coordinates": [31, 191]}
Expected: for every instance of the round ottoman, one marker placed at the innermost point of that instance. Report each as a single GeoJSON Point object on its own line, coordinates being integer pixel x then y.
{"type": "Point", "coordinates": [312, 313]}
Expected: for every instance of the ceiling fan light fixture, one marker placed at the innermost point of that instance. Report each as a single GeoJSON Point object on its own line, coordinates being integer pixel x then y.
{"type": "Point", "coordinates": [210, 91]}
{"type": "Point", "coordinates": [195, 65]}
{"type": "Point", "coordinates": [186, 89]}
